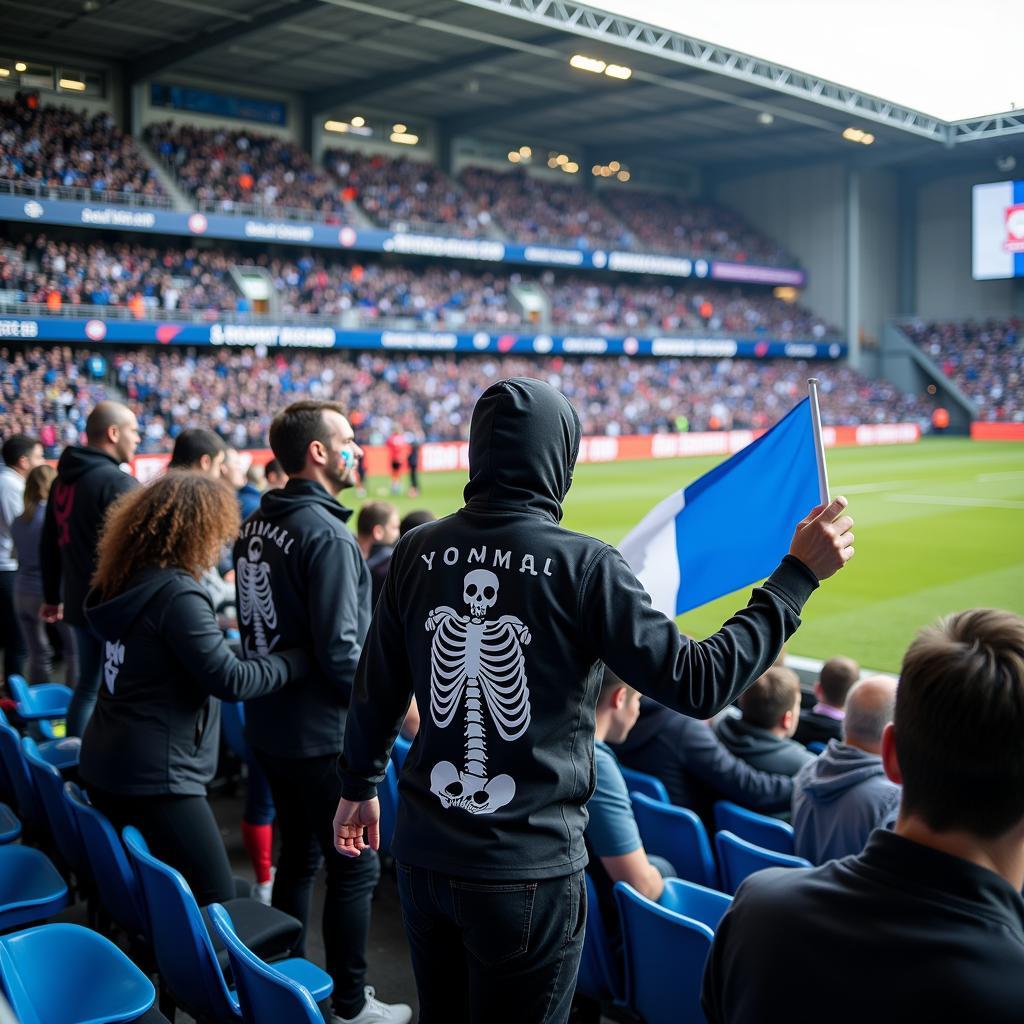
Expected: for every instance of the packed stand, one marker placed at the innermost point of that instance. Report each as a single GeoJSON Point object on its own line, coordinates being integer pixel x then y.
{"type": "Point", "coordinates": [405, 194]}
{"type": "Point", "coordinates": [61, 147]}
{"type": "Point", "coordinates": [985, 360]}
{"type": "Point", "coordinates": [225, 169]}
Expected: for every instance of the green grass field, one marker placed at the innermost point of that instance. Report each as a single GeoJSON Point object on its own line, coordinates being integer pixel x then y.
{"type": "Point", "coordinates": [939, 527]}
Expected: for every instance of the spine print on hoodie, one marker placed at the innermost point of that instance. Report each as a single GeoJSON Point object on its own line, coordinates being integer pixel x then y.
{"type": "Point", "coordinates": [477, 665]}
{"type": "Point", "coordinates": [256, 598]}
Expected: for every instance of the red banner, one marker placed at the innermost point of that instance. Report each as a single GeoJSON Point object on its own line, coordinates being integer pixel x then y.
{"type": "Point", "coordinates": [997, 431]}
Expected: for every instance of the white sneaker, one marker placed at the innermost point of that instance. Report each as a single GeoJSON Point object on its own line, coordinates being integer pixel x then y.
{"type": "Point", "coordinates": [263, 891]}
{"type": "Point", "coordinates": [376, 1012]}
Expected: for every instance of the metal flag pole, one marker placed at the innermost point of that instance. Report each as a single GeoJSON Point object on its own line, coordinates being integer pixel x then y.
{"type": "Point", "coordinates": [819, 444]}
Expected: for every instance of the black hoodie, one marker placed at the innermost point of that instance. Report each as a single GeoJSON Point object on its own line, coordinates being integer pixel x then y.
{"type": "Point", "coordinates": [88, 481]}
{"type": "Point", "coordinates": [301, 582]}
{"type": "Point", "coordinates": [155, 728]}
{"type": "Point", "coordinates": [499, 619]}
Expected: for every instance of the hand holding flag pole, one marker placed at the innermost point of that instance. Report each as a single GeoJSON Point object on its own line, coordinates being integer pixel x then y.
{"type": "Point", "coordinates": [819, 444]}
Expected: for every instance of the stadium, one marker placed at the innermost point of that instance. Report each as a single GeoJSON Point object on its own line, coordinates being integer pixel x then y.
{"type": "Point", "coordinates": [381, 211]}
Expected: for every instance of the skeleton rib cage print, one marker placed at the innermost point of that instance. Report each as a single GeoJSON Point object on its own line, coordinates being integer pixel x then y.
{"type": "Point", "coordinates": [478, 666]}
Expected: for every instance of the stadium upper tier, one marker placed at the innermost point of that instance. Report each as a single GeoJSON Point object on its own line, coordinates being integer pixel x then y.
{"type": "Point", "coordinates": [52, 275]}
{"type": "Point", "coordinates": [984, 359]}
{"type": "Point", "coordinates": [47, 392]}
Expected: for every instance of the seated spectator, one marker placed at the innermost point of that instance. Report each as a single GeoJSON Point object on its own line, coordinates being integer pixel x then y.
{"type": "Point", "coordinates": [842, 796]}
{"type": "Point", "coordinates": [771, 710]}
{"type": "Point", "coordinates": [824, 721]}
{"type": "Point", "coordinates": [377, 532]}
{"type": "Point", "coordinates": [696, 767]}
{"type": "Point", "coordinates": [274, 475]}
{"type": "Point", "coordinates": [413, 519]}
{"type": "Point", "coordinates": [927, 923]}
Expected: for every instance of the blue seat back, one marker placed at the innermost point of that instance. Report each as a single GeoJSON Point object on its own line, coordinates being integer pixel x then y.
{"type": "Point", "coordinates": [50, 786]}
{"type": "Point", "coordinates": [649, 785]}
{"type": "Point", "coordinates": [232, 727]}
{"type": "Point", "coordinates": [266, 996]}
{"type": "Point", "coordinates": [181, 944]}
{"type": "Point", "coordinates": [44, 700]}
{"type": "Point", "coordinates": [387, 794]}
{"type": "Point", "coordinates": [116, 882]}
{"type": "Point", "coordinates": [737, 859]}
{"type": "Point", "coordinates": [695, 901]}
{"type": "Point", "coordinates": [664, 954]}
{"type": "Point", "coordinates": [599, 976]}
{"type": "Point", "coordinates": [816, 747]}
{"type": "Point", "coordinates": [678, 835]}
{"type": "Point", "coordinates": [756, 828]}
{"type": "Point", "coordinates": [30, 808]}
{"type": "Point", "coordinates": [400, 751]}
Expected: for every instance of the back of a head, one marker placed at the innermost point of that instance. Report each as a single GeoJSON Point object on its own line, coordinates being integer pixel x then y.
{"type": "Point", "coordinates": [374, 513]}
{"type": "Point", "coordinates": [770, 697]}
{"type": "Point", "coordinates": [869, 709]}
{"type": "Point", "coordinates": [16, 447]}
{"type": "Point", "coordinates": [105, 415]}
{"type": "Point", "coordinates": [192, 444]}
{"type": "Point", "coordinates": [413, 519]}
{"type": "Point", "coordinates": [959, 723]}
{"type": "Point", "coordinates": [836, 678]}
{"type": "Point", "coordinates": [610, 682]}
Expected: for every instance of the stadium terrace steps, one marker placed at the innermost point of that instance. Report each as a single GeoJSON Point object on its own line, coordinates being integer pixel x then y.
{"type": "Point", "coordinates": [180, 202]}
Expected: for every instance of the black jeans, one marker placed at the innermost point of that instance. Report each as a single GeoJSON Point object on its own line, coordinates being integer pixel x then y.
{"type": "Point", "coordinates": [493, 951]}
{"type": "Point", "coordinates": [10, 632]}
{"type": "Point", "coordinates": [306, 791]}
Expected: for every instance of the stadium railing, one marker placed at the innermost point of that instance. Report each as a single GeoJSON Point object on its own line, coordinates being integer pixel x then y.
{"type": "Point", "coordinates": [42, 190]}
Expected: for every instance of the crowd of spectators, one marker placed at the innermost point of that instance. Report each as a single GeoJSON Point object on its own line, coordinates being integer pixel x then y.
{"type": "Point", "coordinates": [55, 147]}
{"type": "Point", "coordinates": [236, 392]}
{"type": "Point", "coordinates": [984, 359]}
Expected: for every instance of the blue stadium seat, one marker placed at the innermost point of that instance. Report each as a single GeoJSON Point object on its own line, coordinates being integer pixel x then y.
{"type": "Point", "coordinates": [599, 977]}
{"type": "Point", "coordinates": [182, 946]}
{"type": "Point", "coordinates": [400, 751]}
{"type": "Point", "coordinates": [664, 953]}
{"type": "Point", "coordinates": [232, 727]}
{"type": "Point", "coordinates": [649, 785]}
{"type": "Point", "coordinates": [10, 827]}
{"type": "Point", "coordinates": [816, 747]}
{"type": "Point", "coordinates": [756, 828]}
{"type": "Point", "coordinates": [387, 794]}
{"type": "Point", "coordinates": [31, 888]}
{"type": "Point", "coordinates": [678, 835]}
{"type": "Point", "coordinates": [19, 782]}
{"type": "Point", "coordinates": [44, 700]}
{"type": "Point", "coordinates": [266, 995]}
{"type": "Point", "coordinates": [737, 859]}
{"type": "Point", "coordinates": [95, 982]}
{"type": "Point", "coordinates": [695, 901]}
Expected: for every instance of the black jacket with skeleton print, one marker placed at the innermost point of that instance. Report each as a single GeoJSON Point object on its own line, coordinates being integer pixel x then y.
{"type": "Point", "coordinates": [499, 620]}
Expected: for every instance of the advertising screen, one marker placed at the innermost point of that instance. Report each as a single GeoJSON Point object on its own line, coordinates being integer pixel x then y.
{"type": "Point", "coordinates": [998, 230]}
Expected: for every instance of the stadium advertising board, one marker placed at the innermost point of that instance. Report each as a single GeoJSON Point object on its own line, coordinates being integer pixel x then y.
{"type": "Point", "coordinates": [309, 335]}
{"type": "Point", "coordinates": [998, 229]}
{"type": "Point", "coordinates": [237, 227]}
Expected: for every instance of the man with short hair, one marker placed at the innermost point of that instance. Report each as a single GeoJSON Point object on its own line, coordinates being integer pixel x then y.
{"type": "Point", "coordinates": [301, 582]}
{"type": "Point", "coordinates": [824, 721]}
{"type": "Point", "coordinates": [771, 709]}
{"type": "Point", "coordinates": [21, 455]}
{"type": "Point", "coordinates": [841, 797]}
{"type": "Point", "coordinates": [89, 480]}
{"type": "Point", "coordinates": [199, 450]}
{"type": "Point", "coordinates": [927, 923]}
{"type": "Point", "coordinates": [274, 475]}
{"type": "Point", "coordinates": [377, 529]}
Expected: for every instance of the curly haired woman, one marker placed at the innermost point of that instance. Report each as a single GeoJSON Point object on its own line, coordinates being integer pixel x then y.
{"type": "Point", "coordinates": [151, 745]}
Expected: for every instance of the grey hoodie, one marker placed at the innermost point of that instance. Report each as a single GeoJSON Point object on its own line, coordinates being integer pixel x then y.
{"type": "Point", "coordinates": [838, 800]}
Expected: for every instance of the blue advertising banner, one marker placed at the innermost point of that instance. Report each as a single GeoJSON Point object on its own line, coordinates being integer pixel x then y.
{"type": "Point", "coordinates": [99, 331]}
{"type": "Point", "coordinates": [236, 227]}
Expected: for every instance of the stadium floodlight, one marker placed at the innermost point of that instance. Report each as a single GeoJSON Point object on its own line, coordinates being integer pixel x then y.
{"type": "Point", "coordinates": [405, 138]}
{"type": "Point", "coordinates": [571, 167]}
{"type": "Point", "coordinates": [525, 152]}
{"type": "Point", "coordinates": [561, 159]}
{"type": "Point", "coordinates": [619, 71]}
{"type": "Point", "coordinates": [614, 166]}
{"type": "Point", "coordinates": [5, 72]}
{"type": "Point", "coordinates": [584, 63]}
{"type": "Point", "coordinates": [623, 175]}
{"type": "Point", "coordinates": [357, 121]}
{"type": "Point", "coordinates": [336, 126]}
{"type": "Point", "coordinates": [852, 134]}
{"type": "Point", "coordinates": [72, 84]}
{"type": "Point", "coordinates": [766, 118]}
{"type": "Point", "coordinates": [399, 129]}
{"type": "Point", "coordinates": [514, 156]}
{"type": "Point", "coordinates": [21, 66]}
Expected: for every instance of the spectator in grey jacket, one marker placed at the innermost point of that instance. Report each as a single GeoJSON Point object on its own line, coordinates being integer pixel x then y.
{"type": "Point", "coordinates": [842, 796]}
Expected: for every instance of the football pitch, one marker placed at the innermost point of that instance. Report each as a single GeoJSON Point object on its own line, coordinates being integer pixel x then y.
{"type": "Point", "coordinates": [939, 528]}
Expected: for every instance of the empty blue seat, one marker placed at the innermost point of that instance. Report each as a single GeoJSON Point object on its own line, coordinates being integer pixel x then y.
{"type": "Point", "coordinates": [664, 954]}
{"type": "Point", "coordinates": [678, 835]}
{"type": "Point", "coordinates": [31, 888]}
{"type": "Point", "coordinates": [400, 751]}
{"type": "Point", "coordinates": [22, 788]}
{"type": "Point", "coordinates": [695, 901]}
{"type": "Point", "coordinates": [816, 747]}
{"type": "Point", "coordinates": [737, 859]}
{"type": "Point", "coordinates": [63, 753]}
{"type": "Point", "coordinates": [387, 794]}
{"type": "Point", "coordinates": [10, 827]}
{"type": "Point", "coordinates": [599, 976]}
{"type": "Point", "coordinates": [266, 995]}
{"type": "Point", "coordinates": [184, 953]}
{"type": "Point", "coordinates": [66, 974]}
{"type": "Point", "coordinates": [649, 785]}
{"type": "Point", "coordinates": [756, 828]}
{"type": "Point", "coordinates": [44, 700]}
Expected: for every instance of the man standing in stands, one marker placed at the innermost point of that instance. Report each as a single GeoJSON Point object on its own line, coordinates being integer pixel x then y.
{"type": "Point", "coordinates": [824, 721]}
{"type": "Point", "coordinates": [842, 796]}
{"type": "Point", "coordinates": [88, 480]}
{"type": "Point", "coordinates": [499, 620]}
{"type": "Point", "coordinates": [377, 527]}
{"type": "Point", "coordinates": [301, 582]}
{"type": "Point", "coordinates": [927, 923]}
{"type": "Point", "coordinates": [21, 455]}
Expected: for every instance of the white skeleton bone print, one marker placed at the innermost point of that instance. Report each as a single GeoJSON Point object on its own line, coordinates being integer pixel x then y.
{"type": "Point", "coordinates": [256, 599]}
{"type": "Point", "coordinates": [113, 653]}
{"type": "Point", "coordinates": [477, 661]}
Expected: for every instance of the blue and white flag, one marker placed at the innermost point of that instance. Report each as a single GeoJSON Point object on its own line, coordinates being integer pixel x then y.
{"type": "Point", "coordinates": [732, 526]}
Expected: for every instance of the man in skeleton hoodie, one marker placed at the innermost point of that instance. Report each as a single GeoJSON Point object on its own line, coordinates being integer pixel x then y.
{"type": "Point", "coordinates": [302, 582]}
{"type": "Point", "coordinates": [498, 620]}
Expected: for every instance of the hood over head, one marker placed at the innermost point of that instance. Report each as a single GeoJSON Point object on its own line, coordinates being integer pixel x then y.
{"type": "Point", "coordinates": [523, 443]}
{"type": "Point", "coordinates": [111, 618]}
{"type": "Point", "coordinates": [296, 493]}
{"type": "Point", "coordinates": [76, 461]}
{"type": "Point", "coordinates": [839, 768]}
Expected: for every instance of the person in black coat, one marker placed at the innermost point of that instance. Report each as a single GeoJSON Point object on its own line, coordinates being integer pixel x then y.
{"type": "Point", "coordinates": [151, 745]}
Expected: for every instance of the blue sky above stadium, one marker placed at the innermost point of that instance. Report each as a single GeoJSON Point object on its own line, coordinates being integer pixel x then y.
{"type": "Point", "coordinates": [948, 58]}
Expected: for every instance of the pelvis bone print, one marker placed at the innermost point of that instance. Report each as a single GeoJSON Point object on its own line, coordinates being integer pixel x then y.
{"type": "Point", "coordinates": [477, 663]}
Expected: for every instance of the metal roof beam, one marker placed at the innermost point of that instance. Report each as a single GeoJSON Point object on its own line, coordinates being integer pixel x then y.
{"type": "Point", "coordinates": [683, 145]}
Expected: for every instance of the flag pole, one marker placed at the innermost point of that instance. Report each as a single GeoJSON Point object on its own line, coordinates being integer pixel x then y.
{"type": "Point", "coordinates": [819, 444]}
